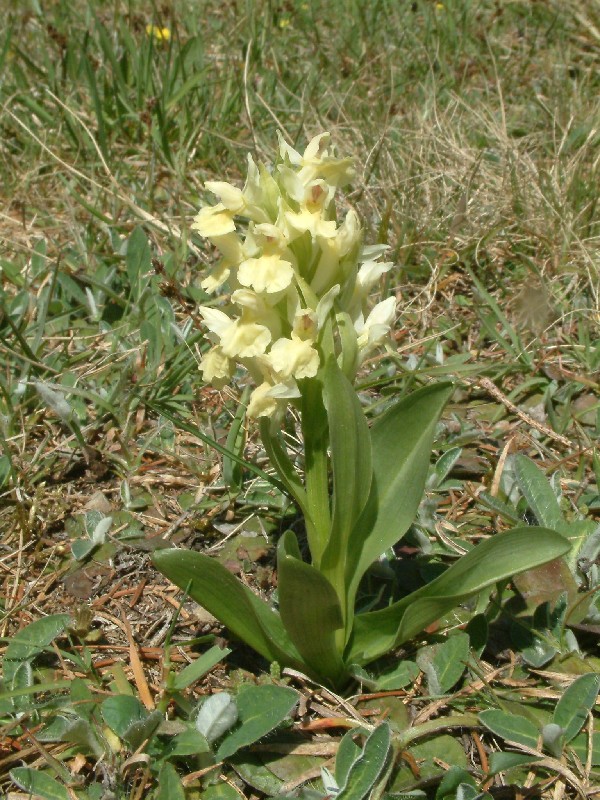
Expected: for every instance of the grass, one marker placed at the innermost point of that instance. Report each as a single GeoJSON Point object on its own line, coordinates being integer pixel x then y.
{"type": "Point", "coordinates": [475, 129]}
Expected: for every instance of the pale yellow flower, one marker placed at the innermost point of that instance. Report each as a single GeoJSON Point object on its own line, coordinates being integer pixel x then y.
{"type": "Point", "coordinates": [294, 358]}
{"type": "Point", "coordinates": [266, 274]}
{"type": "Point", "coordinates": [305, 324]}
{"type": "Point", "coordinates": [270, 400]}
{"type": "Point", "coordinates": [348, 237]}
{"type": "Point", "coordinates": [314, 222]}
{"type": "Point", "coordinates": [230, 196]}
{"type": "Point", "coordinates": [237, 338]}
{"type": "Point", "coordinates": [372, 331]}
{"type": "Point", "coordinates": [316, 163]}
{"type": "Point", "coordinates": [261, 403]}
{"type": "Point", "coordinates": [216, 278]}
{"type": "Point", "coordinates": [216, 367]}
{"type": "Point", "coordinates": [245, 339]}
{"type": "Point", "coordinates": [230, 246]}
{"type": "Point", "coordinates": [213, 221]}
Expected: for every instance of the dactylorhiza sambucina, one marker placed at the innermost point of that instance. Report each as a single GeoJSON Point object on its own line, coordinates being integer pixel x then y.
{"type": "Point", "coordinates": [299, 280]}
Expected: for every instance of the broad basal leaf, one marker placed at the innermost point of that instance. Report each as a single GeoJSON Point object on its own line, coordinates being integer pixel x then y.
{"type": "Point", "coordinates": [401, 441]}
{"type": "Point", "coordinates": [495, 559]}
{"type": "Point", "coordinates": [232, 603]}
{"type": "Point", "coordinates": [573, 709]}
{"type": "Point", "coordinates": [367, 768]}
{"type": "Point", "coordinates": [310, 611]}
{"type": "Point", "coordinates": [30, 641]}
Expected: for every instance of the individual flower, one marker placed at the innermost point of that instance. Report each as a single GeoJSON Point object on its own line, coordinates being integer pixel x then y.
{"type": "Point", "coordinates": [268, 273]}
{"type": "Point", "coordinates": [270, 400]}
{"type": "Point", "coordinates": [237, 338]}
{"type": "Point", "coordinates": [313, 222]}
{"type": "Point", "coordinates": [217, 368]}
{"type": "Point", "coordinates": [160, 34]}
{"type": "Point", "coordinates": [372, 331]}
{"type": "Point", "coordinates": [213, 221]}
{"type": "Point", "coordinates": [294, 358]}
{"type": "Point", "coordinates": [315, 162]}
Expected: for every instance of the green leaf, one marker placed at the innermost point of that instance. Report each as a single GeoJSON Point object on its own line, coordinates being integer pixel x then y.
{"type": "Point", "coordinates": [197, 669]}
{"type": "Point", "coordinates": [451, 781]}
{"type": "Point", "coordinates": [495, 559]}
{"type": "Point", "coordinates": [233, 474]}
{"type": "Point", "coordinates": [219, 791]}
{"type": "Point", "coordinates": [538, 492]}
{"type": "Point", "coordinates": [581, 745]}
{"type": "Point", "coordinates": [401, 441]}
{"type": "Point", "coordinates": [444, 663]}
{"type": "Point", "coordinates": [347, 753]}
{"type": "Point", "coordinates": [138, 260]}
{"type": "Point", "coordinates": [39, 784]}
{"type": "Point", "coordinates": [510, 727]}
{"type": "Point", "coordinates": [141, 730]}
{"type": "Point", "coordinates": [310, 610]}
{"type": "Point", "coordinates": [233, 604]}
{"type": "Point", "coordinates": [406, 672]}
{"type": "Point", "coordinates": [187, 743]}
{"type": "Point", "coordinates": [367, 768]}
{"type": "Point", "coordinates": [350, 446]}
{"type": "Point", "coordinates": [281, 461]}
{"type": "Point", "coordinates": [501, 762]}
{"type": "Point", "coordinates": [573, 708]}
{"type": "Point", "coordinates": [261, 709]}
{"type": "Point", "coordinates": [30, 641]}
{"type": "Point", "coordinates": [169, 784]}
{"type": "Point", "coordinates": [120, 711]}
{"type": "Point", "coordinates": [218, 714]}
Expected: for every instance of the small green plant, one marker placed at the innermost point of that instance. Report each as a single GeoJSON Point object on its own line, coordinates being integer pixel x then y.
{"type": "Point", "coordinates": [298, 322]}
{"type": "Point", "coordinates": [560, 594]}
{"type": "Point", "coordinates": [559, 734]}
{"type": "Point", "coordinates": [79, 714]}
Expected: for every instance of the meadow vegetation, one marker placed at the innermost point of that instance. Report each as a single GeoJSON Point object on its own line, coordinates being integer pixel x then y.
{"type": "Point", "coordinates": [475, 128]}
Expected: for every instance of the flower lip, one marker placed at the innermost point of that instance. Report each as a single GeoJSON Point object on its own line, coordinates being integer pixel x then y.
{"type": "Point", "coordinates": [268, 273]}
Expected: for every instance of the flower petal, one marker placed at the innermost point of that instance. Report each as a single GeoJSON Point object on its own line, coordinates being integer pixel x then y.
{"type": "Point", "coordinates": [213, 221]}
{"type": "Point", "coordinates": [294, 357]}
{"type": "Point", "coordinates": [230, 196]}
{"type": "Point", "coordinates": [245, 339]}
{"type": "Point", "coordinates": [216, 367]}
{"type": "Point", "coordinates": [266, 274]}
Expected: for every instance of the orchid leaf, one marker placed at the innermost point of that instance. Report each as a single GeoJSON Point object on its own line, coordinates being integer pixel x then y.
{"type": "Point", "coordinates": [401, 444]}
{"type": "Point", "coordinates": [350, 457]}
{"type": "Point", "coordinates": [211, 585]}
{"type": "Point", "coordinates": [495, 559]}
{"type": "Point", "coordinates": [283, 464]}
{"type": "Point", "coordinates": [310, 610]}
{"type": "Point", "coordinates": [352, 470]}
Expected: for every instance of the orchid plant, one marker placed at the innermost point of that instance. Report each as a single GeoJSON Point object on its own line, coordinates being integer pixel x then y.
{"type": "Point", "coordinates": [297, 320]}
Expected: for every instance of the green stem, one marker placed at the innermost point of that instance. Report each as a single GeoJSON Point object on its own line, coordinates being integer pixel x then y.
{"type": "Point", "coordinates": [316, 467]}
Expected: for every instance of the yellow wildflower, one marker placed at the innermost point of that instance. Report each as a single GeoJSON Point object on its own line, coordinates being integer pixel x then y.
{"type": "Point", "coordinates": [160, 34]}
